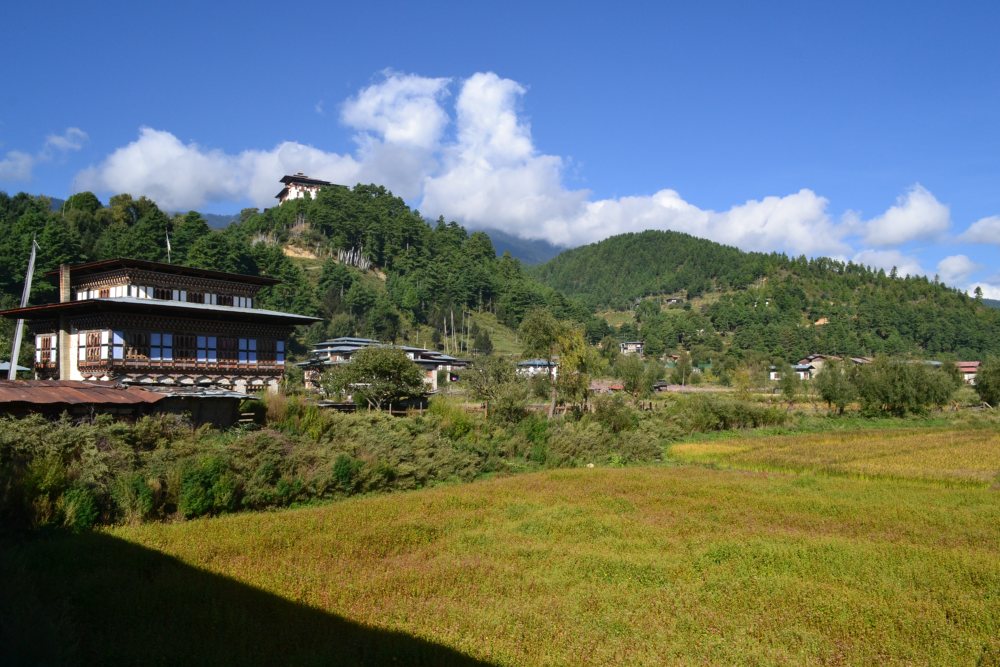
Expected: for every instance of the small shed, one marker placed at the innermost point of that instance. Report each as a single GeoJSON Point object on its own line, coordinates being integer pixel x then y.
{"type": "Point", "coordinates": [52, 398]}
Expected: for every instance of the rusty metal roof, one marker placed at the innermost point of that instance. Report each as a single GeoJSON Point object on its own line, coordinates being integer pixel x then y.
{"type": "Point", "coordinates": [73, 392]}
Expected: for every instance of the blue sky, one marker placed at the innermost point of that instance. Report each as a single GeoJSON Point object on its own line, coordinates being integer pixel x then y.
{"type": "Point", "coordinates": [860, 130]}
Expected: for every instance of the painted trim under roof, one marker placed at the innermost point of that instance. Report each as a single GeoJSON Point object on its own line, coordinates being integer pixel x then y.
{"type": "Point", "coordinates": [161, 267]}
{"type": "Point", "coordinates": [156, 305]}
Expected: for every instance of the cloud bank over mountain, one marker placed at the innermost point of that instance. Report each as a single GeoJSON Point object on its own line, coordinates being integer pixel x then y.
{"type": "Point", "coordinates": [464, 149]}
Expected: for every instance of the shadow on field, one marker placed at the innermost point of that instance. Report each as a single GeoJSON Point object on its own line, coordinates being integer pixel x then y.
{"type": "Point", "coordinates": [95, 599]}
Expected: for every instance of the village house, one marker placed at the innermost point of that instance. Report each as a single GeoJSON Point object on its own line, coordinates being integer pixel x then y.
{"type": "Point", "coordinates": [340, 350]}
{"type": "Point", "coordinates": [159, 325]}
{"type": "Point", "coordinates": [532, 367]}
{"type": "Point", "coordinates": [968, 370]}
{"type": "Point", "coordinates": [631, 347]}
{"type": "Point", "coordinates": [300, 186]}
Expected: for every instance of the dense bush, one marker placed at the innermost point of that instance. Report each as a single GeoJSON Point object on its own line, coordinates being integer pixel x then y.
{"type": "Point", "coordinates": [988, 381]}
{"type": "Point", "coordinates": [63, 475]}
{"type": "Point", "coordinates": [705, 412]}
{"type": "Point", "coordinates": [896, 387]}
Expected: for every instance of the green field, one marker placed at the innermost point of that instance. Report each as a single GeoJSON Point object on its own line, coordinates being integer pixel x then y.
{"type": "Point", "coordinates": [769, 560]}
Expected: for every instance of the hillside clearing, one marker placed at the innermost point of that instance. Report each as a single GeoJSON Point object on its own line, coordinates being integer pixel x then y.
{"type": "Point", "coordinates": [655, 565]}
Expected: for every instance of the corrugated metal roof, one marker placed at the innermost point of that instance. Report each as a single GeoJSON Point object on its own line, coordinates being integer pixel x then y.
{"type": "Point", "coordinates": [73, 392]}
{"type": "Point", "coordinates": [5, 366]}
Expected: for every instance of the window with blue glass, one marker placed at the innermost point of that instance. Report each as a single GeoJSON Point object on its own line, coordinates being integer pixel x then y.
{"type": "Point", "coordinates": [207, 350]}
{"type": "Point", "coordinates": [248, 351]}
{"type": "Point", "coordinates": [161, 346]}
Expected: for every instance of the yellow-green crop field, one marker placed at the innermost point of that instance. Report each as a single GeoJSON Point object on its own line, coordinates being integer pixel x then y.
{"type": "Point", "coordinates": [947, 454]}
{"type": "Point", "coordinates": [675, 564]}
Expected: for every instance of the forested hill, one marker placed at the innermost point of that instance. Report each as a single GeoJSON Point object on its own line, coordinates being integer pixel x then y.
{"type": "Point", "coordinates": [768, 302]}
{"type": "Point", "coordinates": [618, 270]}
{"type": "Point", "coordinates": [364, 261]}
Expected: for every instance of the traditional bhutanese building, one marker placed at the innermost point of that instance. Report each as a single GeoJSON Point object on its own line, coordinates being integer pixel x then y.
{"type": "Point", "coordinates": [153, 324]}
{"type": "Point", "coordinates": [300, 186]}
{"type": "Point", "coordinates": [340, 350]}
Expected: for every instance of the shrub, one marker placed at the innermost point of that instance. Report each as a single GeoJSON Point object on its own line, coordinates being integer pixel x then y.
{"type": "Point", "coordinates": [715, 413]}
{"type": "Point", "coordinates": [345, 472]}
{"type": "Point", "coordinates": [79, 509]}
{"type": "Point", "coordinates": [133, 497]}
{"type": "Point", "coordinates": [614, 414]}
{"type": "Point", "coordinates": [207, 487]}
{"type": "Point", "coordinates": [988, 381]}
{"type": "Point", "coordinates": [897, 387]}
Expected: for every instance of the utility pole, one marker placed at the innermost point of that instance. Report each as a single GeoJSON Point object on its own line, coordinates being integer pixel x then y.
{"type": "Point", "coordinates": [19, 328]}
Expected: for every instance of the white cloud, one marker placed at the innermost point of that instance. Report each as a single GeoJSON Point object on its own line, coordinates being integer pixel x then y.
{"type": "Point", "coordinates": [18, 165]}
{"type": "Point", "coordinates": [403, 109]}
{"type": "Point", "coordinates": [955, 269]}
{"type": "Point", "coordinates": [72, 139]}
{"type": "Point", "coordinates": [990, 290]}
{"type": "Point", "coordinates": [916, 215]}
{"type": "Point", "coordinates": [492, 176]}
{"type": "Point", "coordinates": [182, 176]}
{"type": "Point", "coordinates": [473, 159]}
{"type": "Point", "coordinates": [984, 230]}
{"type": "Point", "coordinates": [905, 265]}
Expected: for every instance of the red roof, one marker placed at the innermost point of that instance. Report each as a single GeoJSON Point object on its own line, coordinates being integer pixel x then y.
{"type": "Point", "coordinates": [967, 366]}
{"type": "Point", "coordinates": [73, 392]}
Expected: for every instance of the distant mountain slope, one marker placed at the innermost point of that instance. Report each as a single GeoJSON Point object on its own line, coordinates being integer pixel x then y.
{"type": "Point", "coordinates": [992, 303]}
{"type": "Point", "coordinates": [785, 307]}
{"type": "Point", "coordinates": [528, 251]}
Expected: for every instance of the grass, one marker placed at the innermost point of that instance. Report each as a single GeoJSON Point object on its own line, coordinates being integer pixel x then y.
{"type": "Point", "coordinates": [675, 564]}
{"type": "Point", "coordinates": [937, 453]}
{"type": "Point", "coordinates": [505, 342]}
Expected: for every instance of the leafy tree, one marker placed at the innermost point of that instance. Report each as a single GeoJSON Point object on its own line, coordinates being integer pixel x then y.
{"type": "Point", "coordinates": [835, 386]}
{"type": "Point", "coordinates": [898, 387]}
{"type": "Point", "coordinates": [790, 383]}
{"type": "Point", "coordinates": [377, 376]}
{"type": "Point", "coordinates": [988, 381]}
{"type": "Point", "coordinates": [539, 333]}
{"type": "Point", "coordinates": [681, 372]}
{"type": "Point", "coordinates": [630, 369]}
{"type": "Point", "coordinates": [494, 381]}
{"type": "Point", "coordinates": [578, 362]}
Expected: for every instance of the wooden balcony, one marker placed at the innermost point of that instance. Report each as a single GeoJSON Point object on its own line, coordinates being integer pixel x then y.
{"type": "Point", "coordinates": [188, 366]}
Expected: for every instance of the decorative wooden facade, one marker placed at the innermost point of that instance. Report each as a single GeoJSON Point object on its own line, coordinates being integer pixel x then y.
{"type": "Point", "coordinates": [300, 186]}
{"type": "Point", "coordinates": [156, 324]}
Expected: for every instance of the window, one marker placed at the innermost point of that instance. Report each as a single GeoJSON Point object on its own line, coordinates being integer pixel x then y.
{"type": "Point", "coordinates": [163, 293]}
{"type": "Point", "coordinates": [271, 351]}
{"type": "Point", "coordinates": [104, 293]}
{"type": "Point", "coordinates": [228, 348]}
{"type": "Point", "coordinates": [225, 299]}
{"type": "Point", "coordinates": [90, 347]}
{"type": "Point", "coordinates": [185, 347]}
{"type": "Point", "coordinates": [161, 346]}
{"type": "Point", "coordinates": [137, 345]}
{"type": "Point", "coordinates": [45, 350]}
{"type": "Point", "coordinates": [118, 345]}
{"type": "Point", "coordinates": [207, 349]}
{"type": "Point", "coordinates": [196, 297]}
{"type": "Point", "coordinates": [248, 351]}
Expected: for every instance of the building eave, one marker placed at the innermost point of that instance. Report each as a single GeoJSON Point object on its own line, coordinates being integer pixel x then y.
{"type": "Point", "coordinates": [146, 306]}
